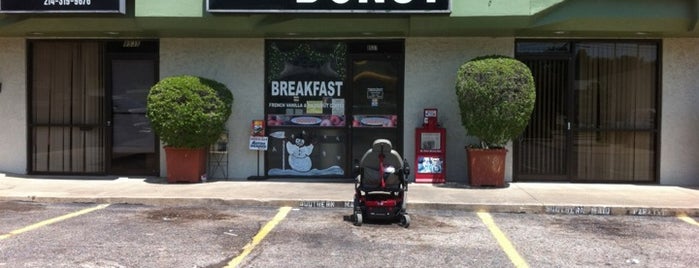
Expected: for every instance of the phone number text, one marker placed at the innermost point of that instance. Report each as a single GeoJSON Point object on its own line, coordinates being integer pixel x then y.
{"type": "Point", "coordinates": [67, 2]}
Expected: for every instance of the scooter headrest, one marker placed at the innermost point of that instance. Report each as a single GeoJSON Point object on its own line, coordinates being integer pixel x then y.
{"type": "Point", "coordinates": [382, 144]}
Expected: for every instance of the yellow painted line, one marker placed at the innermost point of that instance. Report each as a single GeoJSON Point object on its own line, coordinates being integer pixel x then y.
{"type": "Point", "coordinates": [505, 243]}
{"type": "Point", "coordinates": [283, 211]}
{"type": "Point", "coordinates": [687, 219]}
{"type": "Point", "coordinates": [52, 221]}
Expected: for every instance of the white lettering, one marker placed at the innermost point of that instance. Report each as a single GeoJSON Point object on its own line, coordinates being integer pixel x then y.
{"type": "Point", "coordinates": [275, 88]}
{"type": "Point", "coordinates": [324, 89]}
{"type": "Point", "coordinates": [316, 88]}
{"type": "Point", "coordinates": [308, 91]}
{"type": "Point", "coordinates": [306, 88]}
{"type": "Point", "coordinates": [292, 88]}
{"type": "Point", "coordinates": [282, 89]}
{"type": "Point", "coordinates": [67, 2]}
{"type": "Point", "coordinates": [305, 1]}
{"type": "Point", "coordinates": [299, 91]}
{"type": "Point", "coordinates": [339, 87]}
{"type": "Point", "coordinates": [340, 1]}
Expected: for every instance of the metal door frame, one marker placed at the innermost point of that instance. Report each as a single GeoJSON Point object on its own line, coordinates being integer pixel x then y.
{"type": "Point", "coordinates": [569, 111]}
{"type": "Point", "coordinates": [396, 56]}
{"type": "Point", "coordinates": [109, 113]}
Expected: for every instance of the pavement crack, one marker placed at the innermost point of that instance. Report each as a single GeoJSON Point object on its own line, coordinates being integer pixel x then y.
{"type": "Point", "coordinates": [531, 195]}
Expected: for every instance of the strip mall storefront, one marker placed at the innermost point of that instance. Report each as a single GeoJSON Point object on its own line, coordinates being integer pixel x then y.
{"type": "Point", "coordinates": [615, 91]}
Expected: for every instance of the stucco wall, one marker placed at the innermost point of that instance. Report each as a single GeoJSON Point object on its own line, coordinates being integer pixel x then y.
{"type": "Point", "coordinates": [679, 151]}
{"type": "Point", "coordinates": [430, 76]}
{"type": "Point", "coordinates": [13, 106]}
{"type": "Point", "coordinates": [237, 63]}
{"type": "Point", "coordinates": [430, 73]}
{"type": "Point", "coordinates": [430, 69]}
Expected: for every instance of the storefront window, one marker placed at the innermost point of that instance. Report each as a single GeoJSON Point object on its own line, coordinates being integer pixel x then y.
{"type": "Point", "coordinates": [615, 95]}
{"type": "Point", "coordinates": [596, 116]}
{"type": "Point", "coordinates": [305, 106]}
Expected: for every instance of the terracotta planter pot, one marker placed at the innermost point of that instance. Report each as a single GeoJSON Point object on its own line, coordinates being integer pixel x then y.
{"type": "Point", "coordinates": [185, 165]}
{"type": "Point", "coordinates": [486, 167]}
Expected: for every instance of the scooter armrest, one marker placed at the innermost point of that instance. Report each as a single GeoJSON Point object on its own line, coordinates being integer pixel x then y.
{"type": "Point", "coordinates": [406, 167]}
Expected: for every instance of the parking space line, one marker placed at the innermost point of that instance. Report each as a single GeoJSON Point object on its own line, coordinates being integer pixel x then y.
{"type": "Point", "coordinates": [52, 221]}
{"type": "Point", "coordinates": [687, 219]}
{"type": "Point", "coordinates": [504, 243]}
{"type": "Point", "coordinates": [283, 211]}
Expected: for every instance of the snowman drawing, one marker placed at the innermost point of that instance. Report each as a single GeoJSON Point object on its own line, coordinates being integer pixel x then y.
{"type": "Point", "coordinates": [299, 153]}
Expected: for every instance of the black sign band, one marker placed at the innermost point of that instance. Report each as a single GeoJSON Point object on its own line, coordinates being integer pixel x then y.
{"type": "Point", "coordinates": [329, 6]}
{"type": "Point", "coordinates": [62, 6]}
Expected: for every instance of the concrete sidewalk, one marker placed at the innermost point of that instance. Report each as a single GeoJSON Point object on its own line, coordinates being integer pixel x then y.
{"type": "Point", "coordinates": [551, 198]}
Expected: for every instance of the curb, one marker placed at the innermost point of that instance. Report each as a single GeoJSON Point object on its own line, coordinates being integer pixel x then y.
{"type": "Point", "coordinates": [601, 210]}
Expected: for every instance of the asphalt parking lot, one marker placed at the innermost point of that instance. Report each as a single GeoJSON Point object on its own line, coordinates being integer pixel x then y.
{"type": "Point", "coordinates": [125, 235]}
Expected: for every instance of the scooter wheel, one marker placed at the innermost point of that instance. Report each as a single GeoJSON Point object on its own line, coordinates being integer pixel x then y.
{"type": "Point", "coordinates": [358, 219]}
{"type": "Point", "coordinates": [404, 220]}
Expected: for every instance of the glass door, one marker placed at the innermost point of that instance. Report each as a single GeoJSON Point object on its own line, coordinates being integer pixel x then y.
{"type": "Point", "coordinates": [377, 90]}
{"type": "Point", "coordinates": [134, 147]}
{"type": "Point", "coordinates": [542, 152]}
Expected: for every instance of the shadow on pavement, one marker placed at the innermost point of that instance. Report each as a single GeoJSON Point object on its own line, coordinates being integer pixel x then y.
{"type": "Point", "coordinates": [456, 185]}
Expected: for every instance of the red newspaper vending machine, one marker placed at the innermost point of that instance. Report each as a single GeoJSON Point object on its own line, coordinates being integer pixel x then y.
{"type": "Point", "coordinates": [430, 150]}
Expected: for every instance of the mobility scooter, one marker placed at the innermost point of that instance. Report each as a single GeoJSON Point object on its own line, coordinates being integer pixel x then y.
{"type": "Point", "coordinates": [381, 185]}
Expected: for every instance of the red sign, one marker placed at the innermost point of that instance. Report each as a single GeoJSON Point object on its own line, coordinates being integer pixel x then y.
{"type": "Point", "coordinates": [257, 128]}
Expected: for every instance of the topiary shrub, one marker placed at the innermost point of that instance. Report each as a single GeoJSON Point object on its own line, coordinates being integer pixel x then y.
{"type": "Point", "coordinates": [187, 111]}
{"type": "Point", "coordinates": [496, 95]}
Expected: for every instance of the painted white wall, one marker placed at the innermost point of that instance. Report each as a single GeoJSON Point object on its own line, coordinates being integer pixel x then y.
{"type": "Point", "coordinates": [430, 73]}
{"type": "Point", "coordinates": [430, 77]}
{"type": "Point", "coordinates": [13, 106]}
{"type": "Point", "coordinates": [679, 151]}
{"type": "Point", "coordinates": [237, 63]}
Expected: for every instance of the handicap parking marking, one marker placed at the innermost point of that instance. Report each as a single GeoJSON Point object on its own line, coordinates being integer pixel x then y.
{"type": "Point", "coordinates": [52, 221]}
{"type": "Point", "coordinates": [283, 211]}
{"type": "Point", "coordinates": [503, 241]}
{"type": "Point", "coordinates": [687, 219]}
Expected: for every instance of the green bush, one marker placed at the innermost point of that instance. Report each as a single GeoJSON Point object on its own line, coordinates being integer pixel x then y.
{"type": "Point", "coordinates": [188, 111]}
{"type": "Point", "coordinates": [496, 95]}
